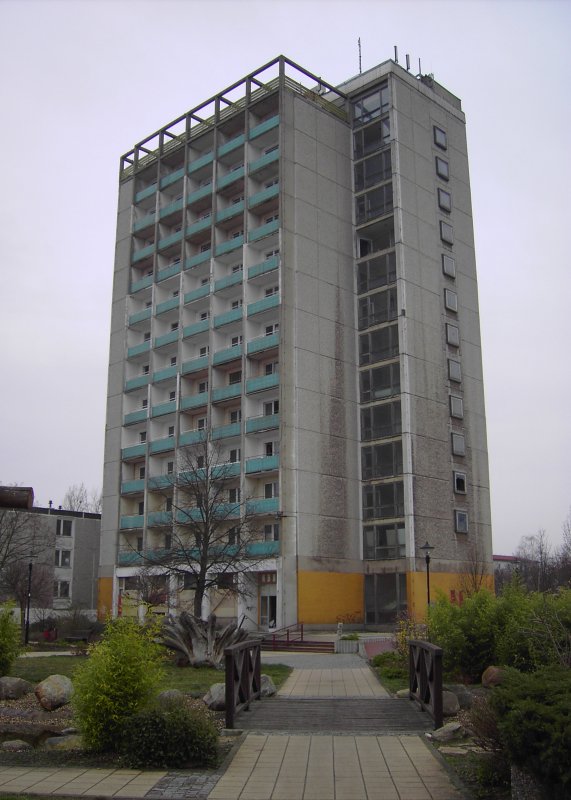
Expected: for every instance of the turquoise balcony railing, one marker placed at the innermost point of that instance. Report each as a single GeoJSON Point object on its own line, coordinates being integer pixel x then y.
{"type": "Point", "coordinates": [172, 208]}
{"type": "Point", "coordinates": [262, 383]}
{"type": "Point", "coordinates": [168, 241]}
{"type": "Point", "coordinates": [199, 258]}
{"type": "Point", "coordinates": [230, 211]}
{"type": "Point", "coordinates": [262, 464]}
{"type": "Point", "coordinates": [191, 437]}
{"type": "Point", "coordinates": [229, 178]}
{"type": "Point", "coordinates": [263, 505]}
{"type": "Point", "coordinates": [204, 191]}
{"type": "Point", "coordinates": [265, 194]}
{"type": "Point", "coordinates": [168, 272]}
{"type": "Point", "coordinates": [158, 518]}
{"type": "Point", "coordinates": [164, 374]}
{"type": "Point", "coordinates": [194, 401]}
{"type": "Point", "coordinates": [268, 265]}
{"type": "Point", "coordinates": [137, 383]}
{"type": "Point", "coordinates": [227, 247]}
{"type": "Point", "coordinates": [197, 294]}
{"type": "Point", "coordinates": [199, 225]}
{"type": "Point", "coordinates": [226, 392]}
{"type": "Point", "coordinates": [263, 161]}
{"type": "Point", "coordinates": [127, 557]}
{"type": "Point", "coordinates": [166, 338]}
{"type": "Point", "coordinates": [142, 283]}
{"type": "Point", "coordinates": [226, 431]}
{"type": "Point", "coordinates": [195, 365]}
{"type": "Point", "coordinates": [135, 416]}
{"type": "Point", "coordinates": [263, 230]}
{"type": "Point", "coordinates": [196, 327]}
{"type": "Point", "coordinates": [167, 305]}
{"type": "Point", "coordinates": [227, 470]}
{"type": "Point", "coordinates": [263, 343]}
{"type": "Point", "coordinates": [228, 280]}
{"type": "Point", "coordinates": [263, 549]}
{"type": "Point", "coordinates": [200, 162]}
{"type": "Point", "coordinates": [138, 349]}
{"type": "Point", "coordinates": [134, 451]}
{"type": "Point", "coordinates": [133, 487]}
{"type": "Point", "coordinates": [264, 304]}
{"type": "Point", "coordinates": [228, 354]}
{"type": "Point", "coordinates": [163, 408]}
{"type": "Point", "coordinates": [144, 193]}
{"type": "Point", "coordinates": [140, 316]}
{"type": "Point", "coordinates": [175, 176]}
{"type": "Point", "coordinates": [266, 423]}
{"type": "Point", "coordinates": [144, 222]}
{"type": "Point", "coordinates": [132, 522]}
{"type": "Point", "coordinates": [161, 482]}
{"type": "Point", "coordinates": [264, 126]}
{"type": "Point", "coordinates": [186, 515]}
{"type": "Point", "coordinates": [233, 144]}
{"type": "Point", "coordinates": [228, 316]}
{"type": "Point", "coordinates": [144, 252]}
{"type": "Point", "coordinates": [162, 445]}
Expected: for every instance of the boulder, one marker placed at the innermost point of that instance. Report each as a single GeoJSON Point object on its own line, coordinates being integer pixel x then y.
{"type": "Point", "coordinates": [170, 698]}
{"type": "Point", "coordinates": [14, 745]}
{"type": "Point", "coordinates": [492, 676]}
{"type": "Point", "coordinates": [14, 688]}
{"type": "Point", "coordinates": [450, 704]}
{"type": "Point", "coordinates": [403, 694]}
{"type": "Point", "coordinates": [54, 691]}
{"type": "Point", "coordinates": [464, 695]}
{"type": "Point", "coordinates": [71, 742]}
{"type": "Point", "coordinates": [215, 697]}
{"type": "Point", "coordinates": [267, 686]}
{"type": "Point", "coordinates": [452, 730]}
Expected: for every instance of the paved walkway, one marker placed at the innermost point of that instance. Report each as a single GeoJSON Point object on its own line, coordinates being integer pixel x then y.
{"type": "Point", "coordinates": [355, 682]}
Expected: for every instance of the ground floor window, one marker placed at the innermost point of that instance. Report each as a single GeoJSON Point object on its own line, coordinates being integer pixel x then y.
{"type": "Point", "coordinates": [385, 597]}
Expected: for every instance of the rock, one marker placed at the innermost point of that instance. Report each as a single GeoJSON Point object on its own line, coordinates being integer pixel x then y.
{"type": "Point", "coordinates": [68, 731]}
{"type": "Point", "coordinates": [450, 704]}
{"type": "Point", "coordinates": [267, 686]}
{"type": "Point", "coordinates": [464, 695]}
{"type": "Point", "coordinates": [170, 698]}
{"type": "Point", "coordinates": [54, 691]}
{"type": "Point", "coordinates": [14, 688]}
{"type": "Point", "coordinates": [453, 751]}
{"type": "Point", "coordinates": [492, 676]}
{"type": "Point", "coordinates": [215, 697]}
{"type": "Point", "coordinates": [452, 730]}
{"type": "Point", "coordinates": [14, 745]}
{"type": "Point", "coordinates": [403, 694]}
{"type": "Point", "coordinates": [70, 742]}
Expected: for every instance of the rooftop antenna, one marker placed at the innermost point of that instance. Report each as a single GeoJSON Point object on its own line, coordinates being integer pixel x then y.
{"type": "Point", "coordinates": [359, 43]}
{"type": "Point", "coordinates": [407, 62]}
{"type": "Point", "coordinates": [396, 55]}
{"type": "Point", "coordinates": [419, 67]}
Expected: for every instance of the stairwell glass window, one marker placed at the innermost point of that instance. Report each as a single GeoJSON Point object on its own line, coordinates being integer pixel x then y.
{"type": "Point", "coordinates": [440, 137]}
{"type": "Point", "coordinates": [372, 138]}
{"type": "Point", "coordinates": [373, 170]}
{"type": "Point", "coordinates": [458, 444]}
{"type": "Point", "coordinates": [459, 482]}
{"type": "Point", "coordinates": [456, 407]}
{"type": "Point", "coordinates": [374, 203]}
{"type": "Point", "coordinates": [460, 521]}
{"type": "Point", "coordinates": [442, 168]}
{"type": "Point", "coordinates": [446, 232]}
{"type": "Point", "coordinates": [377, 272]}
{"type": "Point", "coordinates": [454, 370]}
{"type": "Point", "coordinates": [371, 106]}
{"type": "Point", "coordinates": [444, 200]}
{"type": "Point", "coordinates": [450, 300]}
{"type": "Point", "coordinates": [448, 266]}
{"type": "Point", "coordinates": [453, 335]}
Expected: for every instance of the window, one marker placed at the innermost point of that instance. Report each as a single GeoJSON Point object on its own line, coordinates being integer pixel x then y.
{"type": "Point", "coordinates": [272, 532]}
{"type": "Point", "coordinates": [377, 168]}
{"type": "Point", "coordinates": [460, 482]}
{"type": "Point", "coordinates": [202, 387]}
{"type": "Point", "coordinates": [381, 542]}
{"type": "Point", "coordinates": [444, 200]}
{"type": "Point", "coordinates": [144, 402]}
{"type": "Point", "coordinates": [147, 336]}
{"type": "Point", "coordinates": [236, 340]}
{"type": "Point", "coordinates": [446, 232]}
{"type": "Point", "coordinates": [371, 106]}
{"type": "Point", "coordinates": [234, 456]}
{"type": "Point", "coordinates": [271, 448]}
{"type": "Point", "coordinates": [448, 266]}
{"type": "Point", "coordinates": [380, 382]}
{"type": "Point", "coordinates": [141, 472]}
{"type": "Point", "coordinates": [148, 304]}
{"type": "Point", "coordinates": [225, 581]}
{"type": "Point", "coordinates": [378, 345]}
{"type": "Point", "coordinates": [172, 396]}
{"type": "Point", "coordinates": [63, 527]}
{"type": "Point", "coordinates": [176, 291]}
{"type": "Point", "coordinates": [203, 351]}
{"type": "Point", "coordinates": [458, 444]}
{"type": "Point", "coordinates": [451, 300]}
{"type": "Point", "coordinates": [273, 218]}
{"type": "Point", "coordinates": [271, 368]}
{"type": "Point", "coordinates": [174, 326]}
{"type": "Point", "coordinates": [201, 423]}
{"type": "Point", "coordinates": [383, 500]}
{"type": "Point", "coordinates": [271, 149]}
{"type": "Point", "coordinates": [442, 168]}
{"type": "Point", "coordinates": [380, 421]}
{"type": "Point", "coordinates": [237, 303]}
{"type": "Point", "coordinates": [237, 199]}
{"type": "Point", "coordinates": [63, 558]}
{"type": "Point", "coordinates": [204, 248]}
{"type": "Point", "coordinates": [168, 503]}
{"type": "Point", "coordinates": [173, 361]}
{"type": "Point", "coordinates": [204, 281]}
{"type": "Point", "coordinates": [236, 415]}
{"type": "Point", "coordinates": [271, 254]}
{"type": "Point", "coordinates": [171, 431]}
{"type": "Point", "coordinates": [271, 329]}
{"type": "Point", "coordinates": [272, 290]}
{"type": "Point", "coordinates": [189, 581]}
{"type": "Point", "coordinates": [234, 494]}
{"type": "Point", "coordinates": [460, 521]}
{"type": "Point", "coordinates": [272, 182]}
{"type": "Point", "coordinates": [170, 467]}
{"type": "Point", "coordinates": [440, 137]}
{"type": "Point", "coordinates": [141, 508]}
{"type": "Point", "coordinates": [142, 436]}
{"type": "Point", "coordinates": [139, 543]}
{"type": "Point", "coordinates": [374, 203]}
{"type": "Point", "coordinates": [61, 589]}
{"type": "Point", "coordinates": [453, 335]}
{"type": "Point", "coordinates": [271, 490]}
{"type": "Point", "coordinates": [456, 407]}
{"type": "Point", "coordinates": [377, 308]}
{"type": "Point", "coordinates": [233, 536]}
{"type": "Point", "coordinates": [236, 234]}
{"type": "Point", "coordinates": [145, 369]}
{"type": "Point", "coordinates": [237, 268]}
{"type": "Point", "coordinates": [204, 315]}
{"type": "Point", "coordinates": [272, 407]}
{"type": "Point", "coordinates": [376, 273]}
{"type": "Point", "coordinates": [168, 537]}
{"type": "Point", "coordinates": [454, 370]}
{"type": "Point", "coordinates": [381, 460]}
{"type": "Point", "coordinates": [234, 377]}
{"type": "Point", "coordinates": [200, 461]}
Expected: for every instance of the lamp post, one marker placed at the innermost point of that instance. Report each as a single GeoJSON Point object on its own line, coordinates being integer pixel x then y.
{"type": "Point", "coordinates": [426, 548]}
{"type": "Point", "coordinates": [27, 627]}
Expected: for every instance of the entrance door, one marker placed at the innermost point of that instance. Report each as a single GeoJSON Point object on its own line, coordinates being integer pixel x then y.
{"type": "Point", "coordinates": [268, 607]}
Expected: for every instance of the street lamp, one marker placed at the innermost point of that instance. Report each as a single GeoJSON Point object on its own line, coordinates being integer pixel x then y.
{"type": "Point", "coordinates": [426, 548]}
{"type": "Point", "coordinates": [27, 628]}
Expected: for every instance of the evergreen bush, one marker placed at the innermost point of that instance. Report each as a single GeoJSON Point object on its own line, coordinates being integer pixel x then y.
{"type": "Point", "coordinates": [10, 645]}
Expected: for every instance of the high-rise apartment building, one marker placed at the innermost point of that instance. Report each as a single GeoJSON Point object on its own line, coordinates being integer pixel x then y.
{"type": "Point", "coordinates": [295, 274]}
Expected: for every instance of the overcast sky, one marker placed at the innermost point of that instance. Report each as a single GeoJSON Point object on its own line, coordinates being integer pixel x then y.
{"type": "Point", "coordinates": [82, 82]}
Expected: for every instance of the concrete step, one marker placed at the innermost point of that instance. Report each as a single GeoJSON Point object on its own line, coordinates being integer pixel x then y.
{"type": "Point", "coordinates": [306, 646]}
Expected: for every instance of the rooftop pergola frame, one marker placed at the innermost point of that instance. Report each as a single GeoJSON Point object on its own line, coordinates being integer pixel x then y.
{"type": "Point", "coordinates": [281, 71]}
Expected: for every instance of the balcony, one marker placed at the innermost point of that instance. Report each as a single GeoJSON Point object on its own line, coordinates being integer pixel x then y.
{"type": "Point", "coordinates": [172, 208]}
{"type": "Point", "coordinates": [129, 523]}
{"type": "Point", "coordinates": [200, 225]}
{"type": "Point", "coordinates": [233, 144]}
{"type": "Point", "coordinates": [162, 445]}
{"type": "Point", "coordinates": [138, 349]}
{"type": "Point", "coordinates": [263, 196]}
{"type": "Point", "coordinates": [144, 222]}
{"type": "Point", "coordinates": [267, 422]}
{"type": "Point", "coordinates": [226, 431]}
{"type": "Point", "coordinates": [191, 437]}
{"type": "Point", "coordinates": [230, 178]}
{"type": "Point", "coordinates": [166, 338]}
{"type": "Point", "coordinates": [227, 247]}
{"type": "Point", "coordinates": [263, 505]}
{"type": "Point", "coordinates": [263, 343]}
{"type": "Point", "coordinates": [199, 194]}
{"type": "Point", "coordinates": [262, 383]}
{"type": "Point", "coordinates": [167, 305]}
{"type": "Point", "coordinates": [129, 556]}
{"type": "Point", "coordinates": [164, 374]}
{"type": "Point", "coordinates": [196, 327]}
{"type": "Point", "coordinates": [197, 294]}
{"type": "Point", "coordinates": [140, 316]}
{"type": "Point", "coordinates": [158, 482]}
{"type": "Point", "coordinates": [230, 212]}
{"type": "Point", "coordinates": [163, 408]}
{"type": "Point", "coordinates": [263, 161]}
{"type": "Point", "coordinates": [262, 464]}
{"type": "Point", "coordinates": [263, 549]}
{"type": "Point", "coordinates": [269, 265]}
{"type": "Point", "coordinates": [168, 272]}
{"type": "Point", "coordinates": [194, 401]}
{"type": "Point", "coordinates": [234, 279]}
{"type": "Point", "coordinates": [159, 518]}
{"type": "Point", "coordinates": [144, 252]}
{"type": "Point", "coordinates": [195, 365]}
{"type": "Point", "coordinates": [226, 392]}
{"type": "Point", "coordinates": [264, 304]}
{"type": "Point", "coordinates": [230, 469]}
{"type": "Point", "coordinates": [168, 241]}
{"type": "Point", "coordinates": [264, 230]}
{"type": "Point", "coordinates": [134, 451]}
{"type": "Point", "coordinates": [228, 354]}
{"type": "Point", "coordinates": [144, 193]}
{"type": "Point", "coordinates": [200, 162]}
{"type": "Point", "coordinates": [142, 283]}
{"type": "Point", "coordinates": [175, 176]}
{"type": "Point", "coordinates": [137, 383]}
{"type": "Point", "coordinates": [199, 258]}
{"type": "Point", "coordinates": [263, 127]}
{"type": "Point", "coordinates": [135, 416]}
{"type": "Point", "coordinates": [233, 315]}
{"type": "Point", "coordinates": [133, 487]}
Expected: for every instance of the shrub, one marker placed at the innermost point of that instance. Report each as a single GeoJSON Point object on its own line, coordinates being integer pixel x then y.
{"type": "Point", "coordinates": [119, 679]}
{"type": "Point", "coordinates": [392, 667]}
{"type": "Point", "coordinates": [177, 737]}
{"type": "Point", "coordinates": [407, 628]}
{"type": "Point", "coordinates": [535, 724]}
{"type": "Point", "coordinates": [10, 646]}
{"type": "Point", "coordinates": [350, 637]}
{"type": "Point", "coordinates": [481, 720]}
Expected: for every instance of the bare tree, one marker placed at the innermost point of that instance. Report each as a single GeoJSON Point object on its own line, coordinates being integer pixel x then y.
{"type": "Point", "coordinates": [14, 582]}
{"type": "Point", "coordinates": [476, 571]}
{"type": "Point", "coordinates": [22, 536]}
{"type": "Point", "coordinates": [536, 562]}
{"type": "Point", "coordinates": [77, 498]}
